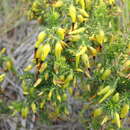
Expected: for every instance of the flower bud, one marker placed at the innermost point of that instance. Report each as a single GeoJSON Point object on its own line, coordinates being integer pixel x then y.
{"type": "Point", "coordinates": [24, 112]}
{"type": "Point", "coordinates": [42, 104]}
{"type": "Point", "coordinates": [105, 119]}
{"type": "Point", "coordinates": [83, 13]}
{"type": "Point", "coordinates": [37, 44]}
{"type": "Point", "coordinates": [106, 74]}
{"type": "Point", "coordinates": [41, 36]}
{"type": "Point", "coordinates": [124, 111]}
{"type": "Point", "coordinates": [77, 31]}
{"type": "Point", "coordinates": [50, 93]}
{"type": "Point", "coordinates": [28, 68]}
{"type": "Point", "coordinates": [85, 60]}
{"type": "Point", "coordinates": [97, 112]}
{"type": "Point", "coordinates": [80, 18]}
{"type": "Point", "coordinates": [117, 119]}
{"type": "Point", "coordinates": [104, 90]}
{"type": "Point", "coordinates": [93, 50]}
{"type": "Point", "coordinates": [116, 97]}
{"type": "Point", "coordinates": [39, 51]}
{"type": "Point", "coordinates": [100, 37]}
{"type": "Point", "coordinates": [59, 98]}
{"type": "Point", "coordinates": [82, 3]}
{"type": "Point", "coordinates": [106, 95]}
{"type": "Point", "coordinates": [37, 82]}
{"type": "Point", "coordinates": [43, 67]}
{"type": "Point", "coordinates": [2, 51]}
{"type": "Point", "coordinates": [8, 65]}
{"type": "Point", "coordinates": [58, 49]}
{"type": "Point", "coordinates": [72, 13]}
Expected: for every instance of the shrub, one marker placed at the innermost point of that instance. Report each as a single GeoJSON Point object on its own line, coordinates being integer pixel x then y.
{"type": "Point", "coordinates": [81, 54]}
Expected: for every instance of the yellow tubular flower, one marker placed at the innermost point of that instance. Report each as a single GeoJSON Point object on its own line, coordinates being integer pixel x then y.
{"type": "Point", "coordinates": [82, 50]}
{"type": "Point", "coordinates": [35, 5]}
{"type": "Point", "coordinates": [117, 119]}
{"type": "Point", "coordinates": [39, 51]}
{"type": "Point", "coordinates": [106, 74]}
{"type": "Point", "coordinates": [57, 4]}
{"type": "Point", "coordinates": [80, 18]}
{"type": "Point", "coordinates": [124, 111]}
{"type": "Point", "coordinates": [9, 65]}
{"type": "Point", "coordinates": [58, 49]}
{"type": "Point", "coordinates": [63, 44]}
{"type": "Point", "coordinates": [37, 82]}
{"type": "Point", "coordinates": [104, 90]}
{"type": "Point", "coordinates": [43, 67]}
{"type": "Point", "coordinates": [97, 112]}
{"type": "Point", "coordinates": [100, 37]}
{"type": "Point", "coordinates": [59, 98]}
{"type": "Point", "coordinates": [74, 38]}
{"type": "Point", "coordinates": [109, 93]}
{"type": "Point", "coordinates": [116, 97]}
{"type": "Point", "coordinates": [41, 36]}
{"type": "Point", "coordinates": [105, 119]}
{"type": "Point", "coordinates": [82, 3]}
{"type": "Point", "coordinates": [37, 44]}
{"type": "Point", "coordinates": [83, 13]}
{"type": "Point", "coordinates": [93, 50]}
{"type": "Point", "coordinates": [46, 51]}
{"type": "Point", "coordinates": [42, 104]}
{"type": "Point", "coordinates": [61, 33]}
{"type": "Point", "coordinates": [85, 59]}
{"type": "Point", "coordinates": [72, 13]}
{"type": "Point", "coordinates": [28, 68]}
{"type": "Point", "coordinates": [77, 31]}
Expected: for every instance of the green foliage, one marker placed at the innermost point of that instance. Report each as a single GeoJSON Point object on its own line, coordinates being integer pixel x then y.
{"type": "Point", "coordinates": [82, 52]}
